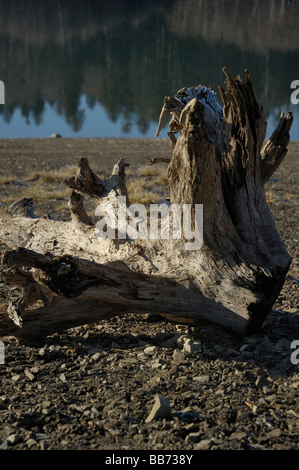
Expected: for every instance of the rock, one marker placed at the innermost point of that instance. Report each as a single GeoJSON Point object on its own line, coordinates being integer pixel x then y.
{"type": "Point", "coordinates": [96, 356]}
{"type": "Point", "coordinates": [29, 375]}
{"type": "Point", "coordinates": [4, 445]}
{"type": "Point", "coordinates": [55, 136]}
{"type": "Point", "coordinates": [193, 437]}
{"type": "Point", "coordinates": [178, 339]}
{"type": "Point", "coordinates": [205, 444]}
{"type": "Point", "coordinates": [202, 379]}
{"type": "Point", "coordinates": [161, 409]}
{"type": "Point", "coordinates": [191, 347]}
{"type": "Point", "coordinates": [62, 378]}
{"type": "Point", "coordinates": [13, 439]}
{"type": "Point", "coordinates": [30, 442]}
{"type": "Point", "coordinates": [15, 377]}
{"type": "Point", "coordinates": [46, 403]}
{"type": "Point", "coordinates": [274, 433]}
{"type": "Point", "coordinates": [42, 352]}
{"type": "Point", "coordinates": [178, 356]}
{"type": "Point", "coordinates": [40, 436]}
{"type": "Point", "coordinates": [238, 435]}
{"type": "Point", "coordinates": [95, 411]}
{"type": "Point", "coordinates": [150, 350]}
{"type": "Point", "coordinates": [157, 363]}
{"type": "Point", "coordinates": [270, 398]}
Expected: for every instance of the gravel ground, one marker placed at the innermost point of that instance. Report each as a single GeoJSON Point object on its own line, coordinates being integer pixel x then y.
{"type": "Point", "coordinates": [141, 382]}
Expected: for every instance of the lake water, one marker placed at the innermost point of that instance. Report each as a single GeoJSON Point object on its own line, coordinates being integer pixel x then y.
{"type": "Point", "coordinates": [102, 68]}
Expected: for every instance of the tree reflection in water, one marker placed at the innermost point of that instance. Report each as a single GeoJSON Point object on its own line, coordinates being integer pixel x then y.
{"type": "Point", "coordinates": [126, 55]}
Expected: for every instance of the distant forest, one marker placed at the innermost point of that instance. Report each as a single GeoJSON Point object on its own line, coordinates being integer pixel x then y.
{"type": "Point", "coordinates": [128, 54]}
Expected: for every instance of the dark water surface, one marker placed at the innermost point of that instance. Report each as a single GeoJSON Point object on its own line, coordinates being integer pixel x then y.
{"type": "Point", "coordinates": [102, 68]}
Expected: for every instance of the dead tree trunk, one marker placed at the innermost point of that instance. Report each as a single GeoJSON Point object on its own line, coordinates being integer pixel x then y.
{"type": "Point", "coordinates": [69, 277]}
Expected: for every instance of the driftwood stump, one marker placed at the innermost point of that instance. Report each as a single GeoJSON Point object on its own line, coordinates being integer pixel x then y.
{"type": "Point", "coordinates": [68, 276]}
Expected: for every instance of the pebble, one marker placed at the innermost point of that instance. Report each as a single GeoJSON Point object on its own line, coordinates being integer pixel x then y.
{"type": "Point", "coordinates": [160, 409]}
{"type": "Point", "coordinates": [96, 356]}
{"type": "Point", "coordinates": [178, 356]}
{"type": "Point", "coordinates": [13, 439]}
{"type": "Point", "coordinates": [202, 379]}
{"type": "Point", "coordinates": [4, 445]}
{"type": "Point", "coordinates": [193, 437]}
{"type": "Point", "coordinates": [29, 374]}
{"type": "Point", "coordinates": [205, 444]}
{"type": "Point", "coordinates": [274, 433]}
{"type": "Point", "coordinates": [150, 350]}
{"type": "Point", "coordinates": [30, 442]}
{"type": "Point", "coordinates": [238, 435]}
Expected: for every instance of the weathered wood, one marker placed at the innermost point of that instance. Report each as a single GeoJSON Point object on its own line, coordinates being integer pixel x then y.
{"type": "Point", "coordinates": [152, 161]}
{"type": "Point", "coordinates": [68, 277]}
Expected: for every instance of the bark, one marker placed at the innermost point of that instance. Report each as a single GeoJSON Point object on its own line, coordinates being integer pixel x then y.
{"type": "Point", "coordinates": [66, 276]}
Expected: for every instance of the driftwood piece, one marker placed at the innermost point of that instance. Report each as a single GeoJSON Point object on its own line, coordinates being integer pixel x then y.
{"type": "Point", "coordinates": [67, 276]}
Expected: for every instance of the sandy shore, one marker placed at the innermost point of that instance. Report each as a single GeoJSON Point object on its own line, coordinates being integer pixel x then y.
{"type": "Point", "coordinates": [22, 156]}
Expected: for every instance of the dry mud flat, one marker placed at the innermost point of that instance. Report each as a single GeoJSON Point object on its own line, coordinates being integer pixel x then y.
{"type": "Point", "coordinates": [140, 382]}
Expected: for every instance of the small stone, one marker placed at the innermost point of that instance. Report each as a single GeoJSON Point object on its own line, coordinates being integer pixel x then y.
{"type": "Point", "coordinates": [177, 339]}
{"type": "Point", "coordinates": [274, 433]}
{"type": "Point", "coordinates": [16, 377]}
{"type": "Point", "coordinates": [178, 356]}
{"type": "Point", "coordinates": [191, 347]}
{"type": "Point", "coordinates": [95, 411]}
{"type": "Point", "coordinates": [157, 363]}
{"type": "Point", "coordinates": [161, 409]}
{"type": "Point", "coordinates": [29, 375]}
{"type": "Point", "coordinates": [55, 136]}
{"type": "Point", "coordinates": [238, 436]}
{"type": "Point", "coordinates": [34, 370]}
{"type": "Point", "coordinates": [46, 403]}
{"type": "Point", "coordinates": [202, 379]}
{"type": "Point", "coordinates": [30, 442]}
{"type": "Point", "coordinates": [66, 365]}
{"type": "Point", "coordinates": [205, 444]}
{"type": "Point", "coordinates": [96, 357]}
{"type": "Point", "coordinates": [13, 439]}
{"type": "Point", "coordinates": [4, 445]}
{"type": "Point", "coordinates": [270, 398]}
{"type": "Point", "coordinates": [62, 378]}
{"type": "Point", "coordinates": [150, 350]}
{"type": "Point", "coordinates": [193, 437]}
{"type": "Point", "coordinates": [40, 436]}
{"type": "Point", "coordinates": [267, 390]}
